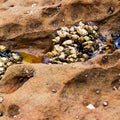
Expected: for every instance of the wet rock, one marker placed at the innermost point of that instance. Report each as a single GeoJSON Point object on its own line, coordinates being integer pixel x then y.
{"type": "Point", "coordinates": [49, 16]}
{"type": "Point", "coordinates": [30, 88]}
{"type": "Point", "coordinates": [62, 91]}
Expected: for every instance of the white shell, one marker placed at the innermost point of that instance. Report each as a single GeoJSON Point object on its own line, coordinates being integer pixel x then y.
{"type": "Point", "coordinates": [72, 29]}
{"type": "Point", "coordinates": [9, 63]}
{"type": "Point", "coordinates": [72, 56]}
{"type": "Point", "coordinates": [34, 4]}
{"type": "Point", "coordinates": [54, 53]}
{"type": "Point", "coordinates": [1, 70]}
{"type": "Point", "coordinates": [57, 39]}
{"type": "Point", "coordinates": [15, 56]}
{"type": "Point", "coordinates": [90, 106]}
{"type": "Point", "coordinates": [4, 59]}
{"type": "Point", "coordinates": [67, 42]}
{"type": "Point", "coordinates": [81, 24]}
{"type": "Point", "coordinates": [2, 48]}
{"type": "Point", "coordinates": [1, 64]}
{"type": "Point", "coordinates": [85, 56]}
{"type": "Point", "coordinates": [88, 43]}
{"type": "Point", "coordinates": [87, 38]}
{"type": "Point", "coordinates": [75, 37]}
{"type": "Point", "coordinates": [81, 31]}
{"type": "Point", "coordinates": [58, 48]}
{"type": "Point", "coordinates": [62, 33]}
{"type": "Point", "coordinates": [1, 99]}
{"type": "Point", "coordinates": [62, 55]}
{"type": "Point", "coordinates": [65, 29]}
{"type": "Point", "coordinates": [72, 49]}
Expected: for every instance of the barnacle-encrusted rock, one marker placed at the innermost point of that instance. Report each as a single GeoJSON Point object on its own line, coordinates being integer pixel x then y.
{"type": "Point", "coordinates": [63, 92]}
{"type": "Point", "coordinates": [73, 40]}
{"type": "Point", "coordinates": [33, 19]}
{"type": "Point", "coordinates": [75, 43]}
{"type": "Point", "coordinates": [80, 42]}
{"type": "Point", "coordinates": [7, 58]}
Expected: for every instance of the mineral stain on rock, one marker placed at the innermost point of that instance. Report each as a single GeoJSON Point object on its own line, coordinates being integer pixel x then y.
{"type": "Point", "coordinates": [31, 58]}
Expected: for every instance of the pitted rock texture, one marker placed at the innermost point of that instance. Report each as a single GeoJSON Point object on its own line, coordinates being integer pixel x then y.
{"type": "Point", "coordinates": [33, 19]}
{"type": "Point", "coordinates": [63, 92]}
{"type": "Point", "coordinates": [58, 92]}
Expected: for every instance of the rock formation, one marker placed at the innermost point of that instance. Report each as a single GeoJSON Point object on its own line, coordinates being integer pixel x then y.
{"type": "Point", "coordinates": [57, 92]}
{"type": "Point", "coordinates": [77, 91]}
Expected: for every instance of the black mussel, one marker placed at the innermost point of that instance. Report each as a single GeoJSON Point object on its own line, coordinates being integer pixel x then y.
{"type": "Point", "coordinates": [111, 10]}
{"type": "Point", "coordinates": [91, 23]}
{"type": "Point", "coordinates": [117, 43]}
{"type": "Point", "coordinates": [94, 54]}
{"type": "Point", "coordinates": [115, 36]}
{"type": "Point", "coordinates": [102, 38]}
{"type": "Point", "coordinates": [61, 60]}
{"type": "Point", "coordinates": [87, 51]}
{"type": "Point", "coordinates": [79, 47]}
{"type": "Point", "coordinates": [3, 54]}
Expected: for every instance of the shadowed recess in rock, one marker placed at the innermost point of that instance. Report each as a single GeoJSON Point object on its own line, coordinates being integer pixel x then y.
{"type": "Point", "coordinates": [11, 84]}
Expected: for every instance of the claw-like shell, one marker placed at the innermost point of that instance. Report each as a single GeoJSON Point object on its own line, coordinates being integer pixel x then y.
{"type": "Point", "coordinates": [67, 42]}
{"type": "Point", "coordinates": [2, 48]}
{"type": "Point", "coordinates": [81, 31]}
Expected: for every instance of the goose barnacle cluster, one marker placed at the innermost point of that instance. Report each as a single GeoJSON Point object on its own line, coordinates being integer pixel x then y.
{"type": "Point", "coordinates": [7, 58]}
{"type": "Point", "coordinates": [79, 43]}
{"type": "Point", "coordinates": [74, 43]}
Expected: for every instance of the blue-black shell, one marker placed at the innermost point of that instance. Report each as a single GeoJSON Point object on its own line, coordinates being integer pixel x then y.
{"type": "Point", "coordinates": [116, 40]}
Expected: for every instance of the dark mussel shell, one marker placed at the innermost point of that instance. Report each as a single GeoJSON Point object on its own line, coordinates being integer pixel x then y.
{"type": "Point", "coordinates": [117, 43]}
{"type": "Point", "coordinates": [102, 38]}
{"type": "Point", "coordinates": [5, 53]}
{"type": "Point", "coordinates": [116, 38]}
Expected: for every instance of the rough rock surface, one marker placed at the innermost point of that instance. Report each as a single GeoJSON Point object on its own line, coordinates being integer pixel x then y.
{"type": "Point", "coordinates": [57, 92]}
{"type": "Point", "coordinates": [31, 19]}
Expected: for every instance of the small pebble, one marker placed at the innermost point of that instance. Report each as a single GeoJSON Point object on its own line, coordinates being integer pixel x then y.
{"type": "Point", "coordinates": [1, 114]}
{"type": "Point", "coordinates": [110, 10]}
{"type": "Point", "coordinates": [90, 106]}
{"type": "Point", "coordinates": [105, 103]}
{"type": "Point", "coordinates": [33, 5]}
{"type": "Point", "coordinates": [1, 99]}
{"type": "Point", "coordinates": [86, 75]}
{"type": "Point", "coordinates": [15, 116]}
{"type": "Point", "coordinates": [115, 88]}
{"type": "Point", "coordinates": [97, 91]}
{"type": "Point", "coordinates": [77, 117]}
{"type": "Point", "coordinates": [54, 90]}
